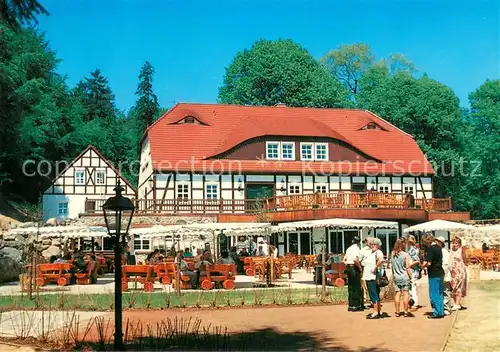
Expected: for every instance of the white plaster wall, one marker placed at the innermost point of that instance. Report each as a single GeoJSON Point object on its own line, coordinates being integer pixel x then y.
{"type": "Point", "coordinates": [76, 205]}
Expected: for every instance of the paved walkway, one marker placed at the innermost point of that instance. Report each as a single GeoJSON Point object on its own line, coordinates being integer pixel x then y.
{"type": "Point", "coordinates": [314, 327]}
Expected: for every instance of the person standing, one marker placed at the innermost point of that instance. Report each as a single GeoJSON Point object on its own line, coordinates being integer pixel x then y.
{"type": "Point", "coordinates": [433, 261]}
{"type": "Point", "coordinates": [364, 253]}
{"type": "Point", "coordinates": [447, 276]}
{"type": "Point", "coordinates": [458, 273]}
{"type": "Point", "coordinates": [351, 259]}
{"type": "Point", "coordinates": [372, 263]}
{"type": "Point", "coordinates": [402, 274]}
{"type": "Point", "coordinates": [414, 254]}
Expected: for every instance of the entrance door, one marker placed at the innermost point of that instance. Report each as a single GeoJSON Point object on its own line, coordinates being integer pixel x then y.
{"type": "Point", "coordinates": [256, 192]}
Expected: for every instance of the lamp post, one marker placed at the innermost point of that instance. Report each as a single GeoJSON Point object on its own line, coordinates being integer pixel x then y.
{"type": "Point", "coordinates": [118, 212]}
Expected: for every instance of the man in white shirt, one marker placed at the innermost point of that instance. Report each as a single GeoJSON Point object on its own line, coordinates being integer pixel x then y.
{"type": "Point", "coordinates": [352, 261]}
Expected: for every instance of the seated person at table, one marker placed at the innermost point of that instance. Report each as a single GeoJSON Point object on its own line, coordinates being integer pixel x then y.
{"type": "Point", "coordinates": [233, 253]}
{"type": "Point", "coordinates": [328, 264]}
{"type": "Point", "coordinates": [260, 252]}
{"type": "Point", "coordinates": [187, 253]}
{"type": "Point", "coordinates": [172, 252]}
{"type": "Point", "coordinates": [225, 258]}
{"type": "Point", "coordinates": [193, 277]}
{"type": "Point", "coordinates": [201, 266]}
{"type": "Point", "coordinates": [244, 253]}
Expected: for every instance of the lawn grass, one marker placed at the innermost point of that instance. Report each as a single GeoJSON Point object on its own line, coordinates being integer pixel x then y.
{"type": "Point", "coordinates": [477, 328]}
{"type": "Point", "coordinates": [163, 300]}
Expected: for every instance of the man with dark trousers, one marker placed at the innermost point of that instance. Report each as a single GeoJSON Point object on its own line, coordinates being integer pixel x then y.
{"type": "Point", "coordinates": [352, 261]}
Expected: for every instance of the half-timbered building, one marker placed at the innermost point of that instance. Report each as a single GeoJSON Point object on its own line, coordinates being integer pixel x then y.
{"type": "Point", "coordinates": [236, 162]}
{"type": "Point", "coordinates": [83, 186]}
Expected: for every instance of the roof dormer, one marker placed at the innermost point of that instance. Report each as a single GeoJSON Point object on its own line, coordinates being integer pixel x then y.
{"type": "Point", "coordinates": [189, 120]}
{"type": "Point", "coordinates": [372, 126]}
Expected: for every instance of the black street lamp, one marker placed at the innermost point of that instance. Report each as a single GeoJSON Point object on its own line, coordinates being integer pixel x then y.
{"type": "Point", "coordinates": [118, 212]}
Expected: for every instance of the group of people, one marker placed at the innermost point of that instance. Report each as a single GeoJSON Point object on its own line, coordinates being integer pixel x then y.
{"type": "Point", "coordinates": [445, 269]}
{"type": "Point", "coordinates": [80, 263]}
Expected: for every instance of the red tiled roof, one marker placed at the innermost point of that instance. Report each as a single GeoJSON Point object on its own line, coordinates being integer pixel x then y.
{"type": "Point", "coordinates": [187, 147]}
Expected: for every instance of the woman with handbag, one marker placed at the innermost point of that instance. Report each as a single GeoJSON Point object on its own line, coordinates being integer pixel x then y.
{"type": "Point", "coordinates": [372, 264]}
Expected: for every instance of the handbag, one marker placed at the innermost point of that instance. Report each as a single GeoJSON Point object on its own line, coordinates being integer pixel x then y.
{"type": "Point", "coordinates": [382, 279]}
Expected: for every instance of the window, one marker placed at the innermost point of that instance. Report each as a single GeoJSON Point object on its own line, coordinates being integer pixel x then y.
{"type": "Point", "coordinates": [183, 191]}
{"type": "Point", "coordinates": [321, 151]}
{"type": "Point", "coordinates": [80, 177]}
{"type": "Point", "coordinates": [273, 150]}
{"type": "Point", "coordinates": [306, 151]}
{"type": "Point", "coordinates": [320, 188]}
{"type": "Point", "coordinates": [294, 189]}
{"type": "Point", "coordinates": [100, 178]}
{"type": "Point", "coordinates": [383, 189]}
{"type": "Point", "coordinates": [211, 191]}
{"type": "Point", "coordinates": [189, 119]}
{"type": "Point", "coordinates": [142, 244]}
{"type": "Point", "coordinates": [287, 151]}
{"type": "Point", "coordinates": [62, 208]}
{"type": "Point", "coordinates": [408, 189]}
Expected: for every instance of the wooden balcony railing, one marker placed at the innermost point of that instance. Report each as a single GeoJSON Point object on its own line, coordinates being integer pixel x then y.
{"type": "Point", "coordinates": [333, 200]}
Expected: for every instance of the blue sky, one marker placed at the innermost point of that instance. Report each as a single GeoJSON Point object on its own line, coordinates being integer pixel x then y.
{"type": "Point", "coordinates": [191, 42]}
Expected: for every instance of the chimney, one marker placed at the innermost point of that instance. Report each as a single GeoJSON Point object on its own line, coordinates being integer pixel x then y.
{"type": "Point", "coordinates": [280, 105]}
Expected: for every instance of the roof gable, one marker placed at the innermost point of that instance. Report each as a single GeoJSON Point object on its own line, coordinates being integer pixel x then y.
{"type": "Point", "coordinates": [90, 149]}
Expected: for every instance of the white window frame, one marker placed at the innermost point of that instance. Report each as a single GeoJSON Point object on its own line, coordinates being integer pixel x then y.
{"type": "Point", "coordinates": [294, 186]}
{"type": "Point", "coordinates": [62, 206]}
{"type": "Point", "coordinates": [77, 172]}
{"type": "Point", "coordinates": [316, 145]}
{"type": "Point", "coordinates": [409, 187]}
{"type": "Point", "coordinates": [210, 185]}
{"type": "Point", "coordinates": [283, 144]}
{"type": "Point", "coordinates": [183, 185]}
{"type": "Point", "coordinates": [278, 144]}
{"type": "Point", "coordinates": [103, 173]}
{"type": "Point", "coordinates": [319, 188]}
{"type": "Point", "coordinates": [302, 157]}
{"type": "Point", "coordinates": [142, 242]}
{"type": "Point", "coordinates": [384, 188]}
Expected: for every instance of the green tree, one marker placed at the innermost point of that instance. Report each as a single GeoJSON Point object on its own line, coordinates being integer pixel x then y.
{"type": "Point", "coordinates": [348, 63]}
{"type": "Point", "coordinates": [482, 189]}
{"type": "Point", "coordinates": [147, 108]}
{"type": "Point", "coordinates": [97, 98]}
{"type": "Point", "coordinates": [18, 12]}
{"type": "Point", "coordinates": [280, 71]}
{"type": "Point", "coordinates": [426, 109]}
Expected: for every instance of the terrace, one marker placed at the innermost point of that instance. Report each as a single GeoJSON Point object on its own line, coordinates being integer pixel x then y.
{"type": "Point", "coordinates": [352, 202]}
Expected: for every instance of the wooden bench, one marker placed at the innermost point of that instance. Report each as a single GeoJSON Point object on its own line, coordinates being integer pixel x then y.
{"type": "Point", "coordinates": [219, 275]}
{"type": "Point", "coordinates": [138, 273]}
{"type": "Point", "coordinates": [50, 273]}
{"type": "Point", "coordinates": [248, 266]}
{"type": "Point", "coordinates": [164, 272]}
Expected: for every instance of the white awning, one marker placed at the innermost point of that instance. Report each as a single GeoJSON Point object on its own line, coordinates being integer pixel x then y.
{"type": "Point", "coordinates": [337, 223]}
{"type": "Point", "coordinates": [230, 228]}
{"type": "Point", "coordinates": [439, 225]}
{"type": "Point", "coordinates": [62, 231]}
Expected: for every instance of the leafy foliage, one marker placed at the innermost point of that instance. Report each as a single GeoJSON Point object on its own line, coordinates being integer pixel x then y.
{"type": "Point", "coordinates": [280, 71]}
{"type": "Point", "coordinates": [424, 108]}
{"type": "Point", "coordinates": [482, 189]}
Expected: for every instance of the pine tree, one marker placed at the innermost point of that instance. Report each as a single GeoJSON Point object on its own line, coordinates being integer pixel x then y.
{"type": "Point", "coordinates": [147, 107]}
{"type": "Point", "coordinates": [18, 12]}
{"type": "Point", "coordinates": [97, 98]}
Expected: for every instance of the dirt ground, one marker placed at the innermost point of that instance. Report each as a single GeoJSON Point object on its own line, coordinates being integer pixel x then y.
{"type": "Point", "coordinates": [319, 327]}
{"type": "Point", "coordinates": [478, 327]}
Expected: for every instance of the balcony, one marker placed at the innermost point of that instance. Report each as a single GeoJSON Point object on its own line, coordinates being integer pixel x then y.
{"type": "Point", "coordinates": [334, 200]}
